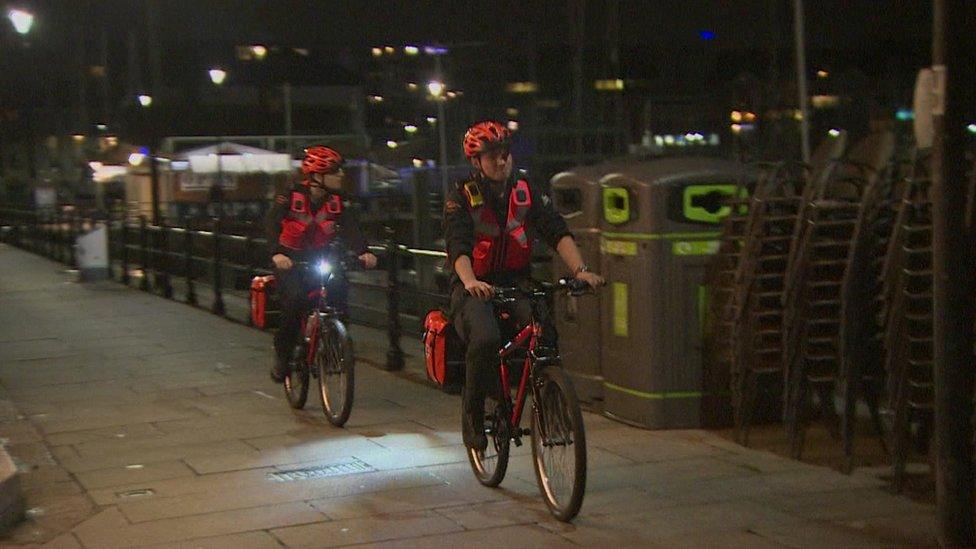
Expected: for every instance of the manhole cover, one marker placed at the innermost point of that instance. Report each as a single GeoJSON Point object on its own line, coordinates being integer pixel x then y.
{"type": "Point", "coordinates": [334, 470]}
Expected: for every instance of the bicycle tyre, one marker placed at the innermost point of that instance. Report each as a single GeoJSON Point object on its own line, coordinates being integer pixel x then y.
{"type": "Point", "coordinates": [491, 464]}
{"type": "Point", "coordinates": [296, 382]}
{"type": "Point", "coordinates": [336, 363]}
{"type": "Point", "coordinates": [564, 440]}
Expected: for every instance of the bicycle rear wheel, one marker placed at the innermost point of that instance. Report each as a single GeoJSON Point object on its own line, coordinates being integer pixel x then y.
{"type": "Point", "coordinates": [559, 444]}
{"type": "Point", "coordinates": [489, 465]}
{"type": "Point", "coordinates": [296, 382]}
{"type": "Point", "coordinates": [336, 365]}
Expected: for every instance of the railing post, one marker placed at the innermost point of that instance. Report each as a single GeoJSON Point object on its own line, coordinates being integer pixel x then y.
{"type": "Point", "coordinates": [249, 262]}
{"type": "Point", "coordinates": [74, 229]}
{"type": "Point", "coordinates": [51, 225]}
{"type": "Point", "coordinates": [394, 356]}
{"type": "Point", "coordinates": [218, 303]}
{"type": "Point", "coordinates": [162, 275]}
{"type": "Point", "coordinates": [191, 294]}
{"type": "Point", "coordinates": [124, 249]}
{"type": "Point", "coordinates": [144, 247]}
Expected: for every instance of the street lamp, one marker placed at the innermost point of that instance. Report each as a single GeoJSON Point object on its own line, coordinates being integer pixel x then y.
{"type": "Point", "coordinates": [22, 20]}
{"type": "Point", "coordinates": [145, 100]}
{"type": "Point", "coordinates": [436, 89]}
{"type": "Point", "coordinates": [217, 76]}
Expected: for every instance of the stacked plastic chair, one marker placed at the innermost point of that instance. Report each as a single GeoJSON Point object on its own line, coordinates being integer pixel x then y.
{"type": "Point", "coordinates": [813, 293]}
{"type": "Point", "coordinates": [907, 312]}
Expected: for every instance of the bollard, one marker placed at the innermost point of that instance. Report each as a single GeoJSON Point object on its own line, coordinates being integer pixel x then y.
{"type": "Point", "coordinates": [144, 248]}
{"type": "Point", "coordinates": [191, 294]}
{"type": "Point", "coordinates": [218, 303]}
{"type": "Point", "coordinates": [124, 250]}
{"type": "Point", "coordinates": [394, 356]}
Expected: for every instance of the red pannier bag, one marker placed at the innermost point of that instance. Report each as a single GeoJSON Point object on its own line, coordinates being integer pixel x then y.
{"type": "Point", "coordinates": [443, 351]}
{"type": "Point", "coordinates": [261, 286]}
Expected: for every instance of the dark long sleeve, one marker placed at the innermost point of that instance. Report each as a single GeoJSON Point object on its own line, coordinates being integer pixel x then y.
{"type": "Point", "coordinates": [273, 224]}
{"type": "Point", "coordinates": [458, 228]}
{"type": "Point", "coordinates": [350, 229]}
{"type": "Point", "coordinates": [545, 220]}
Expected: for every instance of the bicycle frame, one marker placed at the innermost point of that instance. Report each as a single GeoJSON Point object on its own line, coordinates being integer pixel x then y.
{"type": "Point", "coordinates": [529, 333]}
{"type": "Point", "coordinates": [318, 296]}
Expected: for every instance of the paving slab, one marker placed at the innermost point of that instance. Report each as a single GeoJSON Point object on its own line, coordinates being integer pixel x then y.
{"type": "Point", "coordinates": [138, 421]}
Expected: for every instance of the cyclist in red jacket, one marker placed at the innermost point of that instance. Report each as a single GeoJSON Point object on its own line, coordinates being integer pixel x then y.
{"type": "Point", "coordinates": [488, 218]}
{"type": "Point", "coordinates": [301, 223]}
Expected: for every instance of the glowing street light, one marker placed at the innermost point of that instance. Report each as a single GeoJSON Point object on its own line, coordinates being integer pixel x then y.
{"type": "Point", "coordinates": [834, 132]}
{"type": "Point", "coordinates": [22, 20]}
{"type": "Point", "coordinates": [136, 158]}
{"type": "Point", "coordinates": [431, 120]}
{"type": "Point", "coordinates": [259, 51]}
{"type": "Point", "coordinates": [410, 128]}
{"type": "Point", "coordinates": [145, 100]}
{"type": "Point", "coordinates": [392, 144]}
{"type": "Point", "coordinates": [435, 88]}
{"type": "Point", "coordinates": [377, 52]}
{"type": "Point", "coordinates": [217, 76]}
{"type": "Point", "coordinates": [411, 50]}
{"type": "Point", "coordinates": [418, 163]}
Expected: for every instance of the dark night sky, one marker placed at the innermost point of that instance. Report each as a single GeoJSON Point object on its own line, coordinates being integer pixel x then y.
{"type": "Point", "coordinates": [878, 38]}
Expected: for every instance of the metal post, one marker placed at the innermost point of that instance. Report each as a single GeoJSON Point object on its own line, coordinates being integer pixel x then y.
{"type": "Point", "coordinates": [75, 228]}
{"type": "Point", "coordinates": [57, 250]}
{"type": "Point", "coordinates": [394, 356]}
{"type": "Point", "coordinates": [286, 95]}
{"type": "Point", "coordinates": [162, 274]}
{"type": "Point", "coordinates": [441, 123]}
{"type": "Point", "coordinates": [154, 186]}
{"type": "Point", "coordinates": [124, 238]}
{"type": "Point", "coordinates": [144, 248]}
{"type": "Point", "coordinates": [954, 298]}
{"type": "Point", "coordinates": [218, 303]}
{"type": "Point", "coordinates": [249, 262]}
{"type": "Point", "coordinates": [191, 294]}
{"type": "Point", "coordinates": [801, 78]}
{"type": "Point", "coordinates": [577, 18]}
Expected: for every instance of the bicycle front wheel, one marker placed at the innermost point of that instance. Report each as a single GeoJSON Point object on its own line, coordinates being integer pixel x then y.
{"type": "Point", "coordinates": [296, 382]}
{"type": "Point", "coordinates": [559, 444]}
{"type": "Point", "coordinates": [336, 365]}
{"type": "Point", "coordinates": [489, 465]}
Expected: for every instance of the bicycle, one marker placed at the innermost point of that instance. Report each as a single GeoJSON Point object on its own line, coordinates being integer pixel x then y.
{"type": "Point", "coordinates": [325, 350]}
{"type": "Point", "coordinates": [557, 433]}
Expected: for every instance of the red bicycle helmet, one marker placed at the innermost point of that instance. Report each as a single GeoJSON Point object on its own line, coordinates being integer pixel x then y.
{"type": "Point", "coordinates": [485, 136]}
{"type": "Point", "coordinates": [321, 159]}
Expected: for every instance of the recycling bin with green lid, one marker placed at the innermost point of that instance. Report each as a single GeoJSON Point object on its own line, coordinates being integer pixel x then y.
{"type": "Point", "coordinates": [576, 195]}
{"type": "Point", "coordinates": [660, 223]}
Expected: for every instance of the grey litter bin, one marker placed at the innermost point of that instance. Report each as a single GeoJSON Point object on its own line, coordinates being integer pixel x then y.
{"type": "Point", "coordinates": [577, 197]}
{"type": "Point", "coordinates": [91, 251]}
{"type": "Point", "coordinates": [659, 225]}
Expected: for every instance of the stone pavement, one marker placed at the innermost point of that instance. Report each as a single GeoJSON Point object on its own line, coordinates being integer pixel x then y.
{"type": "Point", "coordinates": [137, 421]}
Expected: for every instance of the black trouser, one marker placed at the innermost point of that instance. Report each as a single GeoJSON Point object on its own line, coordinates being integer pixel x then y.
{"type": "Point", "coordinates": [478, 327]}
{"type": "Point", "coordinates": [293, 288]}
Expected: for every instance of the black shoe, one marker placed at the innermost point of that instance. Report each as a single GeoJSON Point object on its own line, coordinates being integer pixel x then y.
{"type": "Point", "coordinates": [279, 371]}
{"type": "Point", "coordinates": [474, 438]}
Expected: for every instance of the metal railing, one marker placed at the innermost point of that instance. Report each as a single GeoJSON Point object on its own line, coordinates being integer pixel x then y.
{"type": "Point", "coordinates": [155, 258]}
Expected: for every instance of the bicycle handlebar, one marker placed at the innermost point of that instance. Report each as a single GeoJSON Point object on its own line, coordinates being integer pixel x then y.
{"type": "Point", "coordinates": [572, 286]}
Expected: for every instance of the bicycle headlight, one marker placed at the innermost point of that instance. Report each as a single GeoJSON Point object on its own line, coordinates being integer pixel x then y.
{"type": "Point", "coordinates": [324, 267]}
